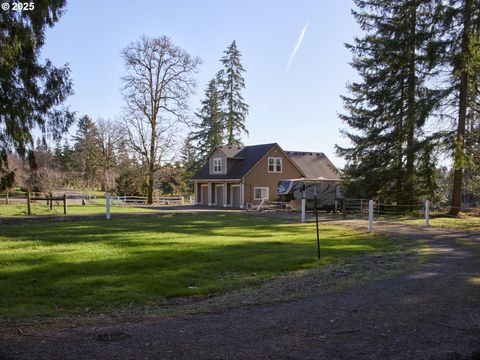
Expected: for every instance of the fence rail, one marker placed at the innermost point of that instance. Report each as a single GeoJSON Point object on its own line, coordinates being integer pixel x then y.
{"type": "Point", "coordinates": [373, 210]}
{"type": "Point", "coordinates": [160, 200]}
{"type": "Point", "coordinates": [359, 207]}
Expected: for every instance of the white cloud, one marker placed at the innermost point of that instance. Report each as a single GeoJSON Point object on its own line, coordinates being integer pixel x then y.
{"type": "Point", "coordinates": [297, 46]}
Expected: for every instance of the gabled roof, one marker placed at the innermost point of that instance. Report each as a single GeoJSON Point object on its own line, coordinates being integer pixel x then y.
{"type": "Point", "coordinates": [314, 165]}
{"type": "Point", "coordinates": [250, 156]}
{"type": "Point", "coordinates": [230, 151]}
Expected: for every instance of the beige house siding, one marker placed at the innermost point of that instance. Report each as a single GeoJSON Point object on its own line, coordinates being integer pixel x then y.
{"type": "Point", "coordinates": [217, 154]}
{"type": "Point", "coordinates": [260, 177]}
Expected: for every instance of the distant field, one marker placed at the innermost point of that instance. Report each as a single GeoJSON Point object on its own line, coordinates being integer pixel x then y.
{"type": "Point", "coordinates": [93, 266]}
{"type": "Point", "coordinates": [20, 209]}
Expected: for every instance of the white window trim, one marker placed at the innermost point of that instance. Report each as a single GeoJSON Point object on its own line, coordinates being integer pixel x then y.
{"type": "Point", "coordinates": [220, 165]}
{"type": "Point", "coordinates": [262, 188]}
{"type": "Point", "coordinates": [275, 165]}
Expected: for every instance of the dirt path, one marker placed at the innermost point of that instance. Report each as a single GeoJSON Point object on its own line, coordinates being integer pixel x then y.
{"type": "Point", "coordinates": [429, 312]}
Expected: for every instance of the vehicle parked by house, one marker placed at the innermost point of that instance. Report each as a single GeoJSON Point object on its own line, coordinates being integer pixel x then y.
{"type": "Point", "coordinates": [326, 192]}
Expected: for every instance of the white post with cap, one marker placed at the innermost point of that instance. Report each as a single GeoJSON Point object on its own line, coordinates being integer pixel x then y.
{"type": "Point", "coordinates": [370, 215]}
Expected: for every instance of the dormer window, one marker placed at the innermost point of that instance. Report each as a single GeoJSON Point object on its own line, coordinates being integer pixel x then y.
{"type": "Point", "coordinates": [217, 165]}
{"type": "Point", "coordinates": [274, 165]}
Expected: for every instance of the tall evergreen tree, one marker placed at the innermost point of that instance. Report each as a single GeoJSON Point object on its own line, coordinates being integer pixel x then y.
{"type": "Point", "coordinates": [388, 108]}
{"type": "Point", "coordinates": [232, 83]}
{"type": "Point", "coordinates": [85, 148]}
{"type": "Point", "coordinates": [30, 91]}
{"type": "Point", "coordinates": [188, 157]}
{"type": "Point", "coordinates": [462, 22]}
{"type": "Point", "coordinates": [190, 163]}
{"type": "Point", "coordinates": [210, 128]}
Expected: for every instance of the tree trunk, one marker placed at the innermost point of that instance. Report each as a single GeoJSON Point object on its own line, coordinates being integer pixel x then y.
{"type": "Point", "coordinates": [409, 195]}
{"type": "Point", "coordinates": [399, 175]}
{"type": "Point", "coordinates": [106, 182]}
{"type": "Point", "coordinates": [151, 167]}
{"type": "Point", "coordinates": [462, 115]}
{"type": "Point", "coordinates": [150, 186]}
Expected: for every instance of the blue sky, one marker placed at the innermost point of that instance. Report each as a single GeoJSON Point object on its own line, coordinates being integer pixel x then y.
{"type": "Point", "coordinates": [296, 108]}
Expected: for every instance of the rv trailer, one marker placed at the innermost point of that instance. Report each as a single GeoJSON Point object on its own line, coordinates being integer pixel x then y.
{"type": "Point", "coordinates": [325, 191]}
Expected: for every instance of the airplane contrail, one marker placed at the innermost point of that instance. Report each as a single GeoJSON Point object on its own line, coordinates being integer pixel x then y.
{"type": "Point", "coordinates": [297, 46]}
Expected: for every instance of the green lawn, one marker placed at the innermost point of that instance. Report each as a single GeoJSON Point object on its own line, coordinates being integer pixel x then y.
{"type": "Point", "coordinates": [53, 269]}
{"type": "Point", "coordinates": [17, 209]}
{"type": "Point", "coordinates": [463, 224]}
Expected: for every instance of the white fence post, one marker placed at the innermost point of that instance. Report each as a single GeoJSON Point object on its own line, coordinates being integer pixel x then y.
{"type": "Point", "coordinates": [304, 205]}
{"type": "Point", "coordinates": [427, 213]}
{"type": "Point", "coordinates": [107, 204]}
{"type": "Point", "coordinates": [370, 215]}
{"type": "Point", "coordinates": [336, 206]}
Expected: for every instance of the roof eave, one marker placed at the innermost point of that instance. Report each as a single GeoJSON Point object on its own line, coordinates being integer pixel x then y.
{"type": "Point", "coordinates": [224, 180]}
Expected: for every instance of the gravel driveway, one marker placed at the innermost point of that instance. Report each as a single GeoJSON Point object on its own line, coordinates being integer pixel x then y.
{"type": "Point", "coordinates": [429, 312]}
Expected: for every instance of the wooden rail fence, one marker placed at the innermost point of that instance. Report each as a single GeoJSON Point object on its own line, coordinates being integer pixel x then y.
{"type": "Point", "coordinates": [50, 199]}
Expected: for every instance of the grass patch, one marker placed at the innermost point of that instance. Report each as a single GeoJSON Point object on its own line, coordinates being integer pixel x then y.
{"type": "Point", "coordinates": [465, 223]}
{"type": "Point", "coordinates": [55, 269]}
{"type": "Point", "coordinates": [20, 209]}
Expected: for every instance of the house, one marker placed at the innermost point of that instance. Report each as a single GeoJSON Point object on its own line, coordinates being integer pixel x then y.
{"type": "Point", "coordinates": [237, 176]}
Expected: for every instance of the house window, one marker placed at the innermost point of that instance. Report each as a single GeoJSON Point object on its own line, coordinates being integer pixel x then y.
{"type": "Point", "coordinates": [274, 164]}
{"type": "Point", "coordinates": [217, 165]}
{"type": "Point", "coordinates": [260, 193]}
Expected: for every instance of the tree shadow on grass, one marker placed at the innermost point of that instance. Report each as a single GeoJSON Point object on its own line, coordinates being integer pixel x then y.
{"type": "Point", "coordinates": [52, 284]}
{"type": "Point", "coordinates": [166, 227]}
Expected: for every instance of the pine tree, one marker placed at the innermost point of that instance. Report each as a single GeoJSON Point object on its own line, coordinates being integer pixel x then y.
{"type": "Point", "coordinates": [188, 157]}
{"type": "Point", "coordinates": [84, 147]}
{"type": "Point", "coordinates": [388, 108]}
{"type": "Point", "coordinates": [30, 90]}
{"type": "Point", "coordinates": [189, 163]}
{"type": "Point", "coordinates": [210, 128]}
{"type": "Point", "coordinates": [127, 183]}
{"type": "Point", "coordinates": [462, 24]}
{"type": "Point", "coordinates": [68, 156]}
{"type": "Point", "coordinates": [427, 173]}
{"type": "Point", "coordinates": [231, 83]}
{"type": "Point", "coordinates": [58, 155]}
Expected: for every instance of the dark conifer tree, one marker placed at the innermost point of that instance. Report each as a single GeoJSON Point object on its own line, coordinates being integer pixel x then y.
{"type": "Point", "coordinates": [231, 83]}
{"type": "Point", "coordinates": [210, 131]}
{"type": "Point", "coordinates": [85, 148]}
{"type": "Point", "coordinates": [30, 91]}
{"type": "Point", "coordinates": [189, 163]}
{"type": "Point", "coordinates": [462, 26]}
{"type": "Point", "coordinates": [387, 109]}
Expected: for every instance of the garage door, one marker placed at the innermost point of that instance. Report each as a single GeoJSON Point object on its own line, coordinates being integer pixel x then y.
{"type": "Point", "coordinates": [219, 195]}
{"type": "Point", "coordinates": [205, 195]}
{"type": "Point", "coordinates": [236, 196]}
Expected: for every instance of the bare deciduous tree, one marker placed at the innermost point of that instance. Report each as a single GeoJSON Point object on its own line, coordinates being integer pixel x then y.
{"type": "Point", "coordinates": [156, 88]}
{"type": "Point", "coordinates": [107, 140]}
{"type": "Point", "coordinates": [46, 180]}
